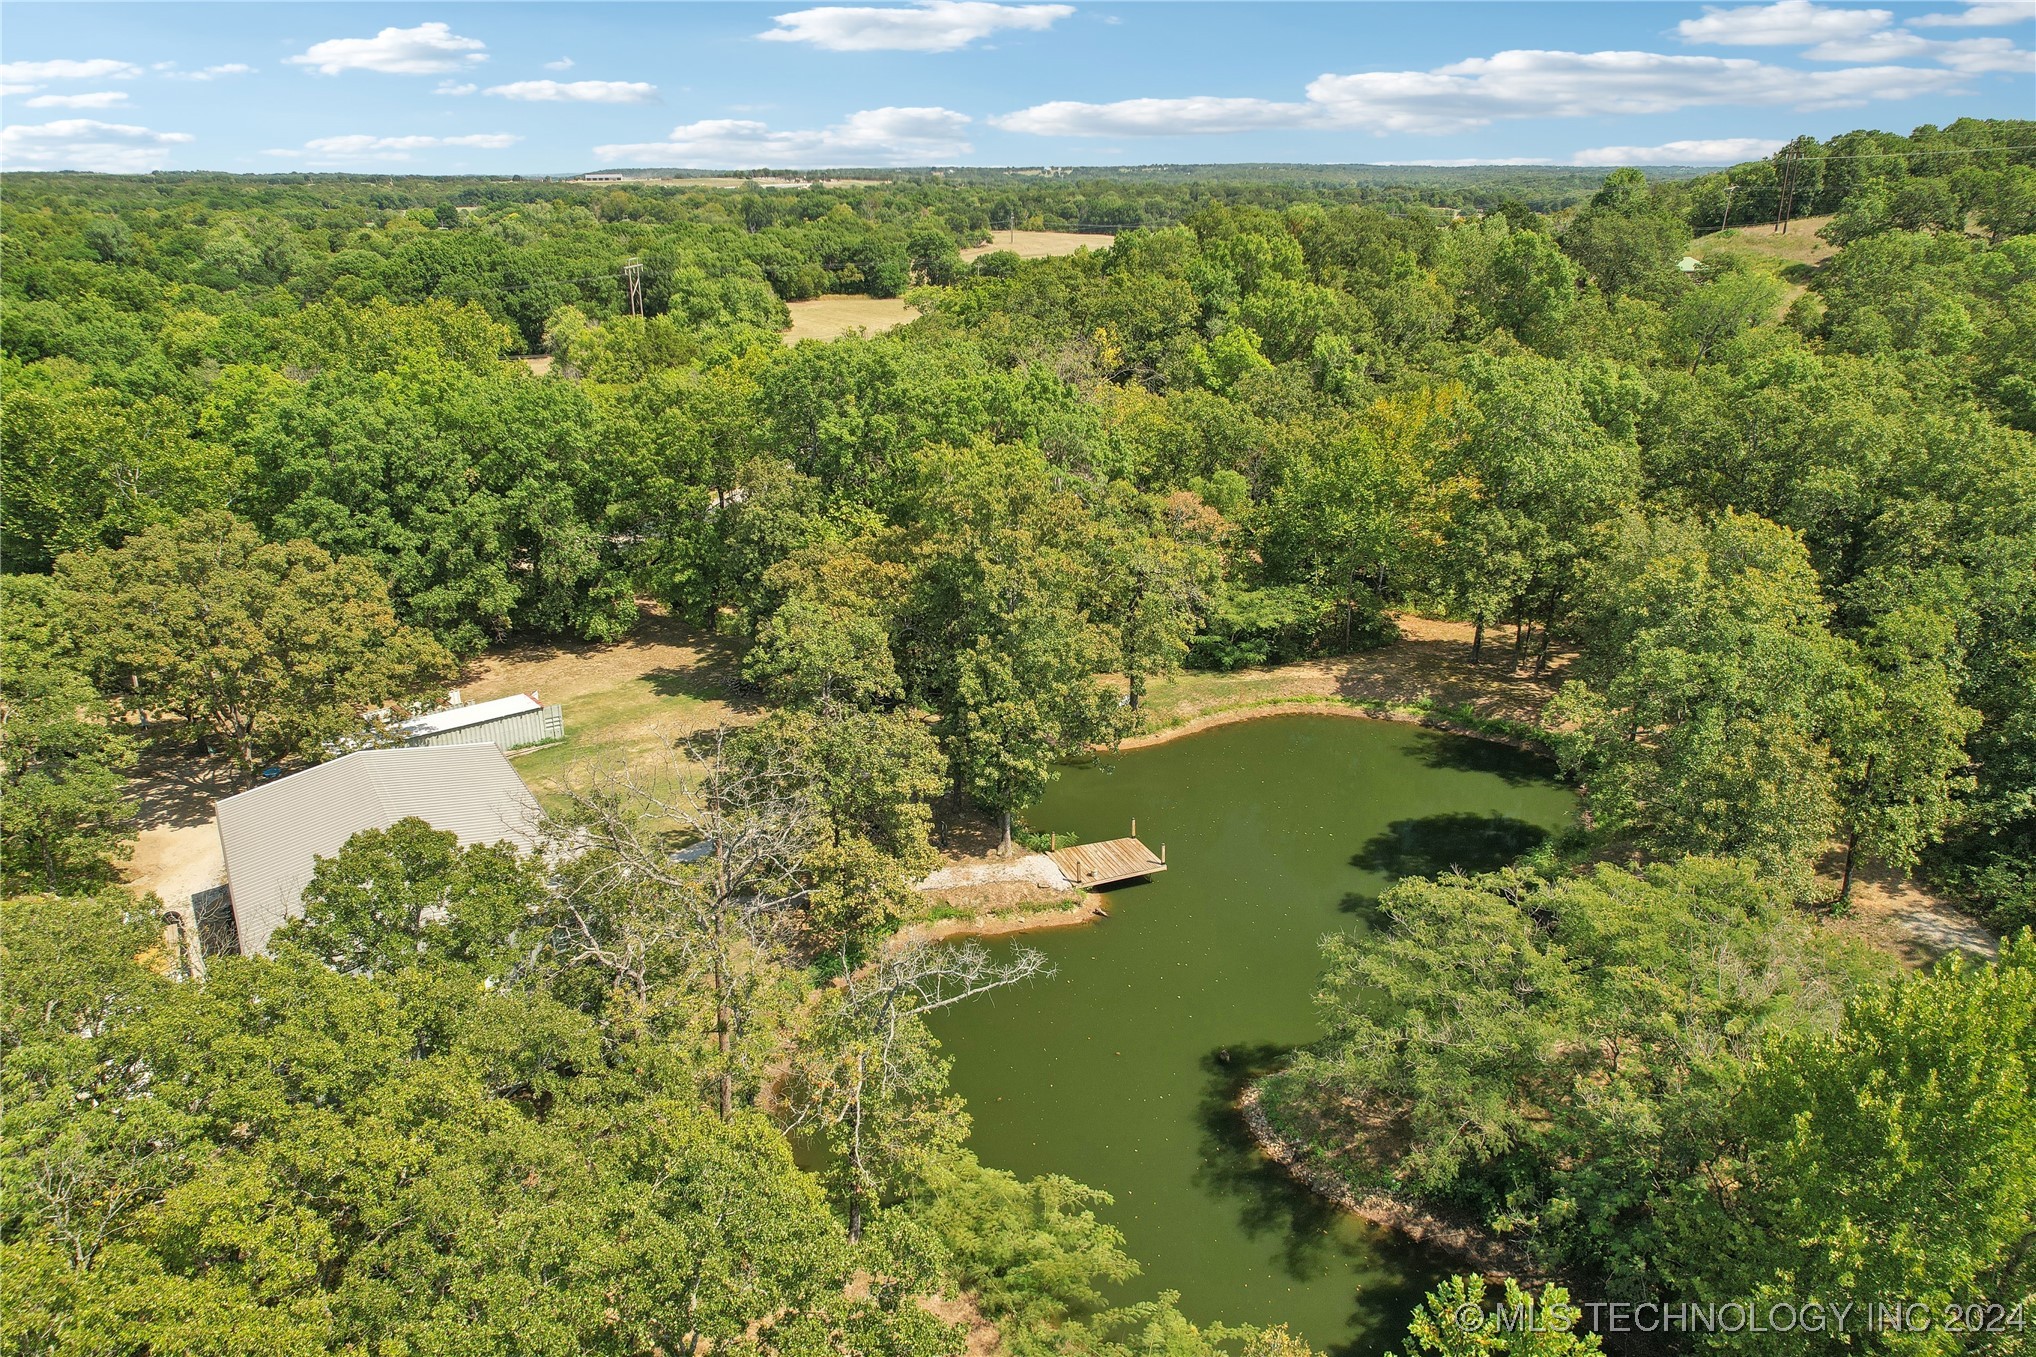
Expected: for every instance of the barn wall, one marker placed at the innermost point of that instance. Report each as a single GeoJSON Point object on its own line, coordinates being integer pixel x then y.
{"type": "Point", "coordinates": [508, 732]}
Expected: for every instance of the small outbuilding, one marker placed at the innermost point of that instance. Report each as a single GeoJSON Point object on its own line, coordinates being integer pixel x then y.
{"type": "Point", "coordinates": [507, 722]}
{"type": "Point", "coordinates": [273, 835]}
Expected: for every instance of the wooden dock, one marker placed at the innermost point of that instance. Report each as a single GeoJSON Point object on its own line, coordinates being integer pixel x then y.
{"type": "Point", "coordinates": [1090, 865]}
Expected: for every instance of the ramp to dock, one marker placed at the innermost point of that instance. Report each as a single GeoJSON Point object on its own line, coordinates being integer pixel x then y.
{"type": "Point", "coordinates": [1099, 864]}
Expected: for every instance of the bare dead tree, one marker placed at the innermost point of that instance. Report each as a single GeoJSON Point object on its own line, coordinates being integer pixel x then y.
{"type": "Point", "coordinates": [684, 868]}
{"type": "Point", "coordinates": [874, 1058]}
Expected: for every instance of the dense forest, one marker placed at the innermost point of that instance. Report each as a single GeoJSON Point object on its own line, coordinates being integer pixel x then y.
{"type": "Point", "coordinates": [272, 458]}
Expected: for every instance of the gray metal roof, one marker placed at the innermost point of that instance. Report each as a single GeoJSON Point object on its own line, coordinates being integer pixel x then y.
{"type": "Point", "coordinates": [472, 714]}
{"type": "Point", "coordinates": [272, 834]}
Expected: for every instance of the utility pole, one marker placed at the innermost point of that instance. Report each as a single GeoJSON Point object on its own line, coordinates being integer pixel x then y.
{"type": "Point", "coordinates": [1787, 167]}
{"type": "Point", "coordinates": [632, 274]}
{"type": "Point", "coordinates": [1730, 189]}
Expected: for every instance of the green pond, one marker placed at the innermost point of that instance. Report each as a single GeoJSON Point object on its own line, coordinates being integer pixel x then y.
{"type": "Point", "coordinates": [1121, 1069]}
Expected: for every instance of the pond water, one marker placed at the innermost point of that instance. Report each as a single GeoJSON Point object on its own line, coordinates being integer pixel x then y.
{"type": "Point", "coordinates": [1113, 1072]}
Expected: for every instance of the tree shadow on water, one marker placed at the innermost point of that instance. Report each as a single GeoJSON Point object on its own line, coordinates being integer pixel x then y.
{"type": "Point", "coordinates": [1365, 907]}
{"type": "Point", "coordinates": [1454, 841]}
{"type": "Point", "coordinates": [1388, 1273]}
{"type": "Point", "coordinates": [1465, 754]}
{"type": "Point", "coordinates": [1268, 1201]}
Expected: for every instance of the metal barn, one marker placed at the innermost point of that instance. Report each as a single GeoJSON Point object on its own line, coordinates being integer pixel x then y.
{"type": "Point", "coordinates": [505, 722]}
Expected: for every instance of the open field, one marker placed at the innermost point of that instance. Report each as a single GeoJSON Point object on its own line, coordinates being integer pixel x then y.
{"type": "Point", "coordinates": [1799, 245]}
{"type": "Point", "coordinates": [621, 700]}
{"type": "Point", "coordinates": [1793, 257]}
{"type": "Point", "coordinates": [1039, 244]}
{"type": "Point", "coordinates": [833, 317]}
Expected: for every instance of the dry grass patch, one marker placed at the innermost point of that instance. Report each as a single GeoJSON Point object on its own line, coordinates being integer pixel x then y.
{"type": "Point", "coordinates": [1429, 665]}
{"type": "Point", "coordinates": [1038, 244]}
{"type": "Point", "coordinates": [833, 317]}
{"type": "Point", "coordinates": [1909, 922]}
{"type": "Point", "coordinates": [622, 700]}
{"type": "Point", "coordinates": [1800, 244]}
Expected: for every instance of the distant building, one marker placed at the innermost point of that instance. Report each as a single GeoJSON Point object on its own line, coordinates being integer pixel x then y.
{"type": "Point", "coordinates": [273, 835]}
{"type": "Point", "coordinates": [602, 178]}
{"type": "Point", "coordinates": [508, 722]}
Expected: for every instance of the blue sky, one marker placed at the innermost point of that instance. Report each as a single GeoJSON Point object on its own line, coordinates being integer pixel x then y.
{"type": "Point", "coordinates": [545, 88]}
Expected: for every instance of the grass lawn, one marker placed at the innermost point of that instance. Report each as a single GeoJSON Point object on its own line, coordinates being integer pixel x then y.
{"type": "Point", "coordinates": [1429, 665]}
{"type": "Point", "coordinates": [622, 700]}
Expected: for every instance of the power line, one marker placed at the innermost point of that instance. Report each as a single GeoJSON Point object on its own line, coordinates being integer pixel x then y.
{"type": "Point", "coordinates": [1787, 165]}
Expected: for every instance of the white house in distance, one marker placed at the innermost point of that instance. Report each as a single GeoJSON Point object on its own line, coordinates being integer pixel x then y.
{"type": "Point", "coordinates": [273, 835]}
{"type": "Point", "coordinates": [507, 722]}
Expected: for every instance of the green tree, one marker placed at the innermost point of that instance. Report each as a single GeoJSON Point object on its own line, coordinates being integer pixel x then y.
{"type": "Point", "coordinates": [1025, 700]}
{"type": "Point", "coordinates": [1522, 496]}
{"type": "Point", "coordinates": [1624, 241]}
{"type": "Point", "coordinates": [410, 895]}
{"type": "Point", "coordinates": [1703, 721]}
{"type": "Point", "coordinates": [1722, 306]}
{"type": "Point", "coordinates": [1460, 1318]}
{"type": "Point", "coordinates": [870, 777]}
{"type": "Point", "coordinates": [65, 819]}
{"type": "Point", "coordinates": [1901, 743]}
{"type": "Point", "coordinates": [270, 649]}
{"type": "Point", "coordinates": [1895, 1156]}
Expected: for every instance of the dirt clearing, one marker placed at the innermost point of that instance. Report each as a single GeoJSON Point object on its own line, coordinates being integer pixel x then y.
{"type": "Point", "coordinates": [833, 317]}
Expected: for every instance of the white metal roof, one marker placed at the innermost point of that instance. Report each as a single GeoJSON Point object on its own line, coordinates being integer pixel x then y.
{"type": "Point", "coordinates": [473, 714]}
{"type": "Point", "coordinates": [273, 834]}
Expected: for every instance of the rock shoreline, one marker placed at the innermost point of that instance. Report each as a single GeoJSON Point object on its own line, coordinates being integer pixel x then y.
{"type": "Point", "coordinates": [1491, 1256]}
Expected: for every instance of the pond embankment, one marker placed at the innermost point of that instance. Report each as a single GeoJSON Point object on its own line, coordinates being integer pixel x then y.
{"type": "Point", "coordinates": [1484, 1251]}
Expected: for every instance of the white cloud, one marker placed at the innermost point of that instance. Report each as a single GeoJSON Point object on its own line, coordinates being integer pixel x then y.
{"type": "Point", "coordinates": [1708, 151]}
{"type": "Point", "coordinates": [1786, 23]}
{"type": "Point", "coordinates": [98, 68]}
{"type": "Point", "coordinates": [577, 91]}
{"type": "Point", "coordinates": [455, 88]}
{"type": "Point", "coordinates": [562, 64]}
{"type": "Point", "coordinates": [877, 136]}
{"type": "Point", "coordinates": [1157, 117]}
{"type": "Point", "coordinates": [1863, 35]}
{"type": "Point", "coordinates": [362, 145]}
{"type": "Point", "coordinates": [1985, 14]}
{"type": "Point", "coordinates": [931, 26]}
{"type": "Point", "coordinates": [1466, 95]}
{"type": "Point", "coordinates": [428, 49]}
{"type": "Point", "coordinates": [9, 89]}
{"type": "Point", "coordinates": [1971, 55]}
{"type": "Point", "coordinates": [1475, 160]}
{"type": "Point", "coordinates": [87, 144]}
{"type": "Point", "coordinates": [208, 72]}
{"type": "Point", "coordinates": [96, 99]}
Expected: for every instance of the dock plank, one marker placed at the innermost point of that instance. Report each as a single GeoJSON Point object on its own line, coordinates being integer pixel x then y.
{"type": "Point", "coordinates": [1100, 864]}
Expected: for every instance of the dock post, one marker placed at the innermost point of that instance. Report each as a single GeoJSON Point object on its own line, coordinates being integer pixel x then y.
{"type": "Point", "coordinates": [1134, 826]}
{"type": "Point", "coordinates": [1053, 841]}
{"type": "Point", "coordinates": [1162, 853]}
